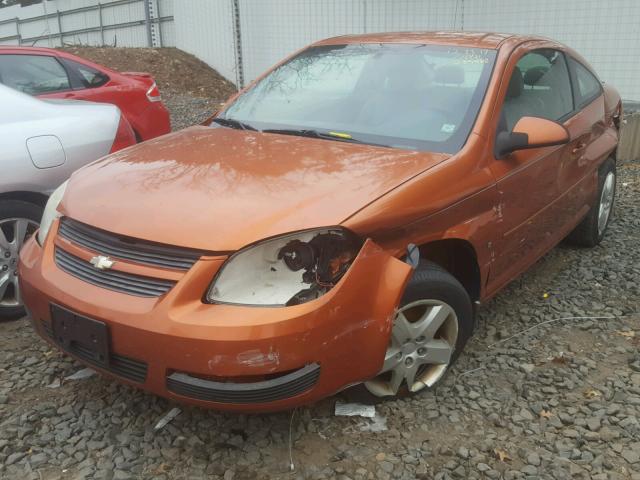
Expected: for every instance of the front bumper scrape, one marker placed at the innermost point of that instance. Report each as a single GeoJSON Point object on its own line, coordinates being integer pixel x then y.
{"type": "Point", "coordinates": [188, 347]}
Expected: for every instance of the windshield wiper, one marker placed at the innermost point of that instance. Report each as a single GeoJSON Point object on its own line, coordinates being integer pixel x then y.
{"type": "Point", "coordinates": [232, 123]}
{"type": "Point", "coordinates": [337, 136]}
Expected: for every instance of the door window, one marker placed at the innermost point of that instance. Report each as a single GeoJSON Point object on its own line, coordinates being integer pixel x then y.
{"type": "Point", "coordinates": [87, 76]}
{"type": "Point", "coordinates": [33, 74]}
{"type": "Point", "coordinates": [539, 87]}
{"type": "Point", "coordinates": [588, 86]}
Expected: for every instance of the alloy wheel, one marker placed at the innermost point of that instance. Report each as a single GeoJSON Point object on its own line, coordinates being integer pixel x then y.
{"type": "Point", "coordinates": [606, 201]}
{"type": "Point", "coordinates": [423, 339]}
{"type": "Point", "coordinates": [13, 233]}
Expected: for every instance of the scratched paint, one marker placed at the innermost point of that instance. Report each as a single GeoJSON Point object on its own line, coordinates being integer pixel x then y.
{"type": "Point", "coordinates": [255, 358]}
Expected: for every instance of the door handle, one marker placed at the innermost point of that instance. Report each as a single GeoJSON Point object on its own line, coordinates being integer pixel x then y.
{"type": "Point", "coordinates": [579, 147]}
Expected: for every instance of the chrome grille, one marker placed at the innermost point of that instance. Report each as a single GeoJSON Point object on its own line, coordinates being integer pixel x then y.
{"type": "Point", "coordinates": [127, 248]}
{"type": "Point", "coordinates": [118, 281]}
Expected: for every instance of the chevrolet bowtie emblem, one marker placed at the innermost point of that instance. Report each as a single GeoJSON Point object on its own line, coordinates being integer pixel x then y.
{"type": "Point", "coordinates": [102, 263]}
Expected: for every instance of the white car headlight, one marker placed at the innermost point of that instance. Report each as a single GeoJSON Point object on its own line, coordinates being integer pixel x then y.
{"type": "Point", "coordinates": [50, 212]}
{"type": "Point", "coordinates": [287, 270]}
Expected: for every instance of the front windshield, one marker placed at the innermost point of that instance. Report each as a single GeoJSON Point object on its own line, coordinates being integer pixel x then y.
{"type": "Point", "coordinates": [418, 97]}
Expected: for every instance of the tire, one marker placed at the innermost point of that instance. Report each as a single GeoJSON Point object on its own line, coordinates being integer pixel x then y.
{"type": "Point", "coordinates": [591, 231]}
{"type": "Point", "coordinates": [431, 287]}
{"type": "Point", "coordinates": [10, 304]}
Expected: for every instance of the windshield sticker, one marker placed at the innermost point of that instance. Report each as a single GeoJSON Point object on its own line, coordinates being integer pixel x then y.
{"type": "Point", "coordinates": [448, 128]}
{"type": "Point", "coordinates": [470, 56]}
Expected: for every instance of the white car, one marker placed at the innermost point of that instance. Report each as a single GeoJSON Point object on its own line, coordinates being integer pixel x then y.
{"type": "Point", "coordinates": [42, 143]}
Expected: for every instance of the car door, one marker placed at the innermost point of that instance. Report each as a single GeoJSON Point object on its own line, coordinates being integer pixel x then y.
{"type": "Point", "coordinates": [34, 74]}
{"type": "Point", "coordinates": [527, 180]}
{"type": "Point", "coordinates": [588, 145]}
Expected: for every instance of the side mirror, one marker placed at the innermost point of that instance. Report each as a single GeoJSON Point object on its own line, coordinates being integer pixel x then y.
{"type": "Point", "coordinates": [530, 132]}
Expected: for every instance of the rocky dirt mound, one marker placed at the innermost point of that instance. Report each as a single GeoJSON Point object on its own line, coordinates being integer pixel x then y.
{"type": "Point", "coordinates": [173, 69]}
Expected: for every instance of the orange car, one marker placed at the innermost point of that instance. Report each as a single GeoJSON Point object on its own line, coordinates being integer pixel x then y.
{"type": "Point", "coordinates": [337, 224]}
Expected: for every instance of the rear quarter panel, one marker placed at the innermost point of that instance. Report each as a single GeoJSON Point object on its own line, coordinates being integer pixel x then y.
{"type": "Point", "coordinates": [85, 131]}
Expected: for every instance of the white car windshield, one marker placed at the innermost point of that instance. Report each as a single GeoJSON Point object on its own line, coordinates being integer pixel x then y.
{"type": "Point", "coordinates": [419, 97]}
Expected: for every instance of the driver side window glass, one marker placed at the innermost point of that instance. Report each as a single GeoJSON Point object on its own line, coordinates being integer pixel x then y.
{"type": "Point", "coordinates": [33, 74]}
{"type": "Point", "coordinates": [539, 87]}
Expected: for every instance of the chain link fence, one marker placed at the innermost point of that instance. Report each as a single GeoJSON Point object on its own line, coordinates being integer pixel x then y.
{"type": "Point", "coordinates": [124, 23]}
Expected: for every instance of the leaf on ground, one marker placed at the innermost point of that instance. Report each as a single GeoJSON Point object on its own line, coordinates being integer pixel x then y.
{"type": "Point", "coordinates": [502, 455]}
{"type": "Point", "coordinates": [546, 414]}
{"type": "Point", "coordinates": [162, 468]}
{"type": "Point", "coordinates": [627, 334]}
{"type": "Point", "coordinates": [591, 393]}
{"type": "Point", "coordinates": [560, 359]}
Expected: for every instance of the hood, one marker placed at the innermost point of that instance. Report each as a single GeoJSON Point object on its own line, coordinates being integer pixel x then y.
{"type": "Point", "coordinates": [220, 189]}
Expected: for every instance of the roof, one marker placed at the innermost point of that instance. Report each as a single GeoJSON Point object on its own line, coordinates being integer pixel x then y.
{"type": "Point", "coordinates": [470, 39]}
{"type": "Point", "coordinates": [45, 50]}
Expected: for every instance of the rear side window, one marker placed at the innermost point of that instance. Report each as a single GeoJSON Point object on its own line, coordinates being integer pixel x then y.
{"type": "Point", "coordinates": [588, 86]}
{"type": "Point", "coordinates": [539, 87]}
{"type": "Point", "coordinates": [88, 76]}
{"type": "Point", "coordinates": [33, 74]}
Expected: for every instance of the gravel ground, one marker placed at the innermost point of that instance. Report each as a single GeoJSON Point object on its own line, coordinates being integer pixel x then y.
{"type": "Point", "coordinates": [561, 400]}
{"type": "Point", "coordinates": [187, 110]}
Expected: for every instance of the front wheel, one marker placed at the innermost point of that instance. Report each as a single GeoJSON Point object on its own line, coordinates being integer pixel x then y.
{"type": "Point", "coordinates": [430, 329]}
{"type": "Point", "coordinates": [18, 221]}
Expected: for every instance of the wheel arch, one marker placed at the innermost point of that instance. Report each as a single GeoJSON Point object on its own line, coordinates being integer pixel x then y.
{"type": "Point", "coordinates": [458, 257]}
{"type": "Point", "coordinates": [36, 198]}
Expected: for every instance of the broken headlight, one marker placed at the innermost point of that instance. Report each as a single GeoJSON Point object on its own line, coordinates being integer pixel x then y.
{"type": "Point", "coordinates": [287, 270]}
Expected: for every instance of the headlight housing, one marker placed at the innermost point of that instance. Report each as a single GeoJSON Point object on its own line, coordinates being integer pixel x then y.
{"type": "Point", "coordinates": [286, 270]}
{"type": "Point", "coordinates": [50, 212]}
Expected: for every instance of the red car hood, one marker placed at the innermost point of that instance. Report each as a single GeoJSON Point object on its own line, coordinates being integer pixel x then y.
{"type": "Point", "coordinates": [220, 189]}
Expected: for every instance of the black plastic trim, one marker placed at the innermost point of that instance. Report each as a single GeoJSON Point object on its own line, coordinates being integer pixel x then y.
{"type": "Point", "coordinates": [127, 248]}
{"type": "Point", "coordinates": [279, 388]}
{"type": "Point", "coordinates": [125, 367]}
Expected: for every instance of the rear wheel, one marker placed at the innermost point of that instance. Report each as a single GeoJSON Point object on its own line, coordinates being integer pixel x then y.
{"type": "Point", "coordinates": [591, 230]}
{"type": "Point", "coordinates": [430, 329]}
{"type": "Point", "coordinates": [18, 221]}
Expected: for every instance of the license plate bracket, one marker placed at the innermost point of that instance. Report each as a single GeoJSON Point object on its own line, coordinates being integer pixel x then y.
{"type": "Point", "coordinates": [85, 337]}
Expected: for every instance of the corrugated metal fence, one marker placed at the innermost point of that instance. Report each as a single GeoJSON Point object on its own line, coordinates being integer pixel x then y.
{"type": "Point", "coordinates": [241, 38]}
{"type": "Point", "coordinates": [123, 23]}
{"type": "Point", "coordinates": [629, 148]}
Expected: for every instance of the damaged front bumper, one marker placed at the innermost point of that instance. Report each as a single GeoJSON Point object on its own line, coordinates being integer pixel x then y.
{"type": "Point", "coordinates": [227, 356]}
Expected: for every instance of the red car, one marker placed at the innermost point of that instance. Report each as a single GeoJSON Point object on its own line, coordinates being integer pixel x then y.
{"type": "Point", "coordinates": [49, 73]}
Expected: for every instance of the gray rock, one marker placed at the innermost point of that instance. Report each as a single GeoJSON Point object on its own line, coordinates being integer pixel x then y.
{"type": "Point", "coordinates": [14, 457]}
{"type": "Point", "coordinates": [533, 459]}
{"type": "Point", "coordinates": [122, 475]}
{"type": "Point", "coordinates": [463, 452]}
{"type": "Point", "coordinates": [594, 424]}
{"type": "Point", "coordinates": [631, 456]}
{"type": "Point", "coordinates": [38, 459]}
